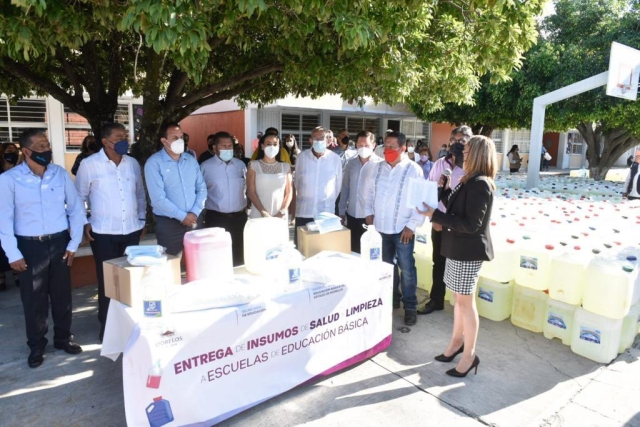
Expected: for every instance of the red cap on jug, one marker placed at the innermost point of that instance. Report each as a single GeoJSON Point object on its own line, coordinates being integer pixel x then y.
{"type": "Point", "coordinates": [550, 247]}
{"type": "Point", "coordinates": [155, 399]}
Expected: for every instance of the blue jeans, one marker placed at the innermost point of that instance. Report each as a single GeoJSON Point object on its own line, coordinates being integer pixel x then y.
{"type": "Point", "coordinates": [403, 252]}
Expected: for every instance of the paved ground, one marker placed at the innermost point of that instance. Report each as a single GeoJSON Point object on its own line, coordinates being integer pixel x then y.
{"type": "Point", "coordinates": [523, 380]}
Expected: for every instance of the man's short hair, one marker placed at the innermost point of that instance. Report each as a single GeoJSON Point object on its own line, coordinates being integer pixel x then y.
{"type": "Point", "coordinates": [365, 134]}
{"type": "Point", "coordinates": [464, 130]}
{"type": "Point", "coordinates": [26, 137]}
{"type": "Point", "coordinates": [221, 135]}
{"type": "Point", "coordinates": [165, 127]}
{"type": "Point", "coordinates": [401, 137]}
{"type": "Point", "coordinates": [319, 129]}
{"type": "Point", "coordinates": [108, 129]}
{"type": "Point", "coordinates": [210, 139]}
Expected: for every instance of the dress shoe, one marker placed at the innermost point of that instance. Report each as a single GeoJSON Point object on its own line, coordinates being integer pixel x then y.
{"type": "Point", "coordinates": [447, 359]}
{"type": "Point", "coordinates": [455, 373]}
{"type": "Point", "coordinates": [410, 317]}
{"type": "Point", "coordinates": [69, 347]}
{"type": "Point", "coordinates": [36, 357]}
{"type": "Point", "coordinates": [430, 307]}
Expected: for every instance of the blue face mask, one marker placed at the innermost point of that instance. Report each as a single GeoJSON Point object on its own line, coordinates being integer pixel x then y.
{"type": "Point", "coordinates": [121, 147]}
{"type": "Point", "coordinates": [319, 146]}
{"type": "Point", "coordinates": [226, 155]}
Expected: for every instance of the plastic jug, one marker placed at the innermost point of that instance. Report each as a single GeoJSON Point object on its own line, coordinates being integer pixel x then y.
{"type": "Point", "coordinates": [595, 337]}
{"type": "Point", "coordinates": [608, 287]}
{"type": "Point", "coordinates": [502, 267]}
{"type": "Point", "coordinates": [559, 320]}
{"type": "Point", "coordinates": [371, 245]}
{"type": "Point", "coordinates": [528, 309]}
{"type": "Point", "coordinates": [159, 412]}
{"type": "Point", "coordinates": [448, 296]}
{"type": "Point", "coordinates": [494, 299]}
{"type": "Point", "coordinates": [155, 310]}
{"type": "Point", "coordinates": [630, 328]}
{"type": "Point", "coordinates": [423, 245]}
{"type": "Point", "coordinates": [424, 267]}
{"type": "Point", "coordinates": [566, 280]}
{"type": "Point", "coordinates": [208, 255]}
{"type": "Point", "coordinates": [533, 263]}
{"type": "Point", "coordinates": [264, 239]}
{"type": "Point", "coordinates": [290, 261]}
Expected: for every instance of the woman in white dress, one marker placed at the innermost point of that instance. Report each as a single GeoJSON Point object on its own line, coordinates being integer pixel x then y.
{"type": "Point", "coordinates": [269, 181]}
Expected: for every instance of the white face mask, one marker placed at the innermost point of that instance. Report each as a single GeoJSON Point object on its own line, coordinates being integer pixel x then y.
{"type": "Point", "coordinates": [226, 155]}
{"type": "Point", "coordinates": [411, 149]}
{"type": "Point", "coordinates": [271, 151]}
{"type": "Point", "coordinates": [319, 146]}
{"type": "Point", "coordinates": [177, 146]}
{"type": "Point", "coordinates": [289, 144]}
{"type": "Point", "coordinates": [365, 152]}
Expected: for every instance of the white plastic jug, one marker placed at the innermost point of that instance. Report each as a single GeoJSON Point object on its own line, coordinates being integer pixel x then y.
{"type": "Point", "coordinates": [533, 263]}
{"type": "Point", "coordinates": [494, 299]}
{"type": "Point", "coordinates": [630, 328]}
{"type": "Point", "coordinates": [608, 288]}
{"type": "Point", "coordinates": [290, 263]}
{"type": "Point", "coordinates": [595, 337]}
{"type": "Point", "coordinates": [371, 245]}
{"type": "Point", "coordinates": [566, 281]}
{"type": "Point", "coordinates": [208, 255]}
{"type": "Point", "coordinates": [424, 268]}
{"type": "Point", "coordinates": [155, 305]}
{"type": "Point", "coordinates": [264, 239]}
{"type": "Point", "coordinates": [423, 245]}
{"type": "Point", "coordinates": [559, 321]}
{"type": "Point", "coordinates": [502, 267]}
{"type": "Point", "coordinates": [528, 309]}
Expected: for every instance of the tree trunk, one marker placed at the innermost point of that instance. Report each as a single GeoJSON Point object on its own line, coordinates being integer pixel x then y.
{"type": "Point", "coordinates": [602, 156]}
{"type": "Point", "coordinates": [97, 120]}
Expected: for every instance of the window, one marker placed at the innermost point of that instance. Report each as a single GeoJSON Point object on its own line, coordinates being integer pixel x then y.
{"type": "Point", "coordinates": [497, 137]}
{"type": "Point", "coordinates": [416, 129]}
{"type": "Point", "coordinates": [355, 124]}
{"type": "Point", "coordinates": [25, 114]}
{"type": "Point", "coordinates": [521, 138]}
{"type": "Point", "coordinates": [300, 126]}
{"type": "Point", "coordinates": [575, 143]}
{"type": "Point", "coordinates": [76, 127]}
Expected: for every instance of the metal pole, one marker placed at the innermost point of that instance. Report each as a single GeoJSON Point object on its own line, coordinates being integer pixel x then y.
{"type": "Point", "coordinates": [535, 146]}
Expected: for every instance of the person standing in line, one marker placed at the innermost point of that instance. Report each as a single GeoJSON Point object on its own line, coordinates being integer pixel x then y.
{"type": "Point", "coordinates": [9, 158]}
{"type": "Point", "coordinates": [112, 183]}
{"type": "Point", "coordinates": [238, 151]}
{"type": "Point", "coordinates": [318, 180]}
{"type": "Point", "coordinates": [211, 152]}
{"type": "Point", "coordinates": [515, 161]}
{"type": "Point", "coordinates": [88, 148]}
{"type": "Point", "coordinates": [255, 142]}
{"type": "Point", "coordinates": [354, 177]}
{"type": "Point", "coordinates": [269, 181]}
{"type": "Point", "coordinates": [176, 189]}
{"type": "Point", "coordinates": [291, 146]}
{"type": "Point", "coordinates": [466, 244]}
{"type": "Point", "coordinates": [452, 161]}
{"type": "Point", "coordinates": [385, 207]}
{"type": "Point", "coordinates": [632, 182]}
{"type": "Point", "coordinates": [411, 151]}
{"type": "Point", "coordinates": [225, 178]}
{"type": "Point", "coordinates": [443, 151]}
{"type": "Point", "coordinates": [343, 149]}
{"type": "Point", "coordinates": [284, 155]}
{"type": "Point", "coordinates": [41, 229]}
{"type": "Point", "coordinates": [186, 138]}
{"type": "Point", "coordinates": [425, 161]}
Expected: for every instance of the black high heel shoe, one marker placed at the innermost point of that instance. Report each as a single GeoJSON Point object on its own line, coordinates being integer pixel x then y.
{"type": "Point", "coordinates": [445, 359]}
{"type": "Point", "coordinates": [454, 372]}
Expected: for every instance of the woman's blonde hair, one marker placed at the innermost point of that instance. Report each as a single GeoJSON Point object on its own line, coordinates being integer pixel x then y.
{"type": "Point", "coordinates": [481, 159]}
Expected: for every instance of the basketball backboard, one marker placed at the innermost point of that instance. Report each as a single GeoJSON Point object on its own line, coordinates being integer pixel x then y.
{"type": "Point", "coordinates": [624, 70]}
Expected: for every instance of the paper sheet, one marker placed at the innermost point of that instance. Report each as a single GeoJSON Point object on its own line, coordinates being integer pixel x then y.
{"type": "Point", "coordinates": [421, 191]}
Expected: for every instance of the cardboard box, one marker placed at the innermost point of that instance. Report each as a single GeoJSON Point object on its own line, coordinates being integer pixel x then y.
{"type": "Point", "coordinates": [312, 242]}
{"type": "Point", "coordinates": [122, 280]}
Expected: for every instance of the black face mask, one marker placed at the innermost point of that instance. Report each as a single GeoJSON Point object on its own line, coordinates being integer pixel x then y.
{"type": "Point", "coordinates": [11, 158]}
{"type": "Point", "coordinates": [43, 159]}
{"type": "Point", "coordinates": [345, 140]}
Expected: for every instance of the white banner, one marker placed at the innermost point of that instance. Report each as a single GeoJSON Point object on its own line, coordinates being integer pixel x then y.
{"type": "Point", "coordinates": [218, 363]}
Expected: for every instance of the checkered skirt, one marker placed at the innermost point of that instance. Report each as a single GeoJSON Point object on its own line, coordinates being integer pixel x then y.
{"type": "Point", "coordinates": [461, 277]}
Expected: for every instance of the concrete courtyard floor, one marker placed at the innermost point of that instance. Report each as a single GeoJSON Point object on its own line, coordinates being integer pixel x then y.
{"type": "Point", "coordinates": [523, 380]}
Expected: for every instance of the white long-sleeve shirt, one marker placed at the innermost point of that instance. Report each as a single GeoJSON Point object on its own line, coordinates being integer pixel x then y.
{"type": "Point", "coordinates": [354, 176]}
{"type": "Point", "coordinates": [318, 182]}
{"type": "Point", "coordinates": [114, 192]}
{"type": "Point", "coordinates": [635, 191]}
{"type": "Point", "coordinates": [386, 197]}
{"type": "Point", "coordinates": [226, 185]}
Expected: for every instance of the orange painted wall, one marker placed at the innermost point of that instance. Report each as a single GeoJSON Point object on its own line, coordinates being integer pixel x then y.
{"type": "Point", "coordinates": [200, 126]}
{"type": "Point", "coordinates": [440, 134]}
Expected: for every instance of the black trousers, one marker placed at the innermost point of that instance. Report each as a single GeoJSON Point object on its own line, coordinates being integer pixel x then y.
{"type": "Point", "coordinates": [355, 225]}
{"type": "Point", "coordinates": [233, 223]}
{"type": "Point", "coordinates": [170, 234]}
{"type": "Point", "coordinates": [300, 222]}
{"type": "Point", "coordinates": [104, 248]}
{"type": "Point", "coordinates": [439, 262]}
{"type": "Point", "coordinates": [47, 278]}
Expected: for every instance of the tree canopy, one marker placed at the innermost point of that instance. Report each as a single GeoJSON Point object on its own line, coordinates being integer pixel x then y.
{"type": "Point", "coordinates": [181, 55]}
{"type": "Point", "coordinates": [574, 44]}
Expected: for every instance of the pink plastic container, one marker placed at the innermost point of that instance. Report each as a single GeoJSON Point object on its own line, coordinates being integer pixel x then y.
{"type": "Point", "coordinates": [208, 255]}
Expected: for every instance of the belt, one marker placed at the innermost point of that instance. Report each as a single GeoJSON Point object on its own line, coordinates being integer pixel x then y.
{"type": "Point", "coordinates": [44, 238]}
{"type": "Point", "coordinates": [228, 215]}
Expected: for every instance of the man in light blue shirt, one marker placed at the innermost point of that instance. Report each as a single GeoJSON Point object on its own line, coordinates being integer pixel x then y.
{"type": "Point", "coordinates": [40, 231]}
{"type": "Point", "coordinates": [176, 189]}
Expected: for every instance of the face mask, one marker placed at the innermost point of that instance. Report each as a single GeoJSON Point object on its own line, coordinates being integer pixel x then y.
{"type": "Point", "coordinates": [271, 151]}
{"type": "Point", "coordinates": [319, 146]}
{"type": "Point", "coordinates": [289, 144]}
{"type": "Point", "coordinates": [11, 158]}
{"type": "Point", "coordinates": [43, 159]}
{"type": "Point", "coordinates": [365, 152]}
{"type": "Point", "coordinates": [411, 149]}
{"type": "Point", "coordinates": [424, 158]}
{"type": "Point", "coordinates": [226, 155]}
{"type": "Point", "coordinates": [177, 147]}
{"type": "Point", "coordinates": [121, 147]}
{"type": "Point", "coordinates": [391, 155]}
{"type": "Point", "coordinates": [345, 140]}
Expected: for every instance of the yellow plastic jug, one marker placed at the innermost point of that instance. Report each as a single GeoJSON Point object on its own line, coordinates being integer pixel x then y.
{"type": "Point", "coordinates": [528, 309]}
{"type": "Point", "coordinates": [630, 328]}
{"type": "Point", "coordinates": [502, 267]}
{"type": "Point", "coordinates": [608, 288]}
{"type": "Point", "coordinates": [533, 263]}
{"type": "Point", "coordinates": [494, 299]}
{"type": "Point", "coordinates": [566, 280]}
{"type": "Point", "coordinates": [595, 337]}
{"type": "Point", "coordinates": [559, 320]}
{"type": "Point", "coordinates": [424, 267]}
